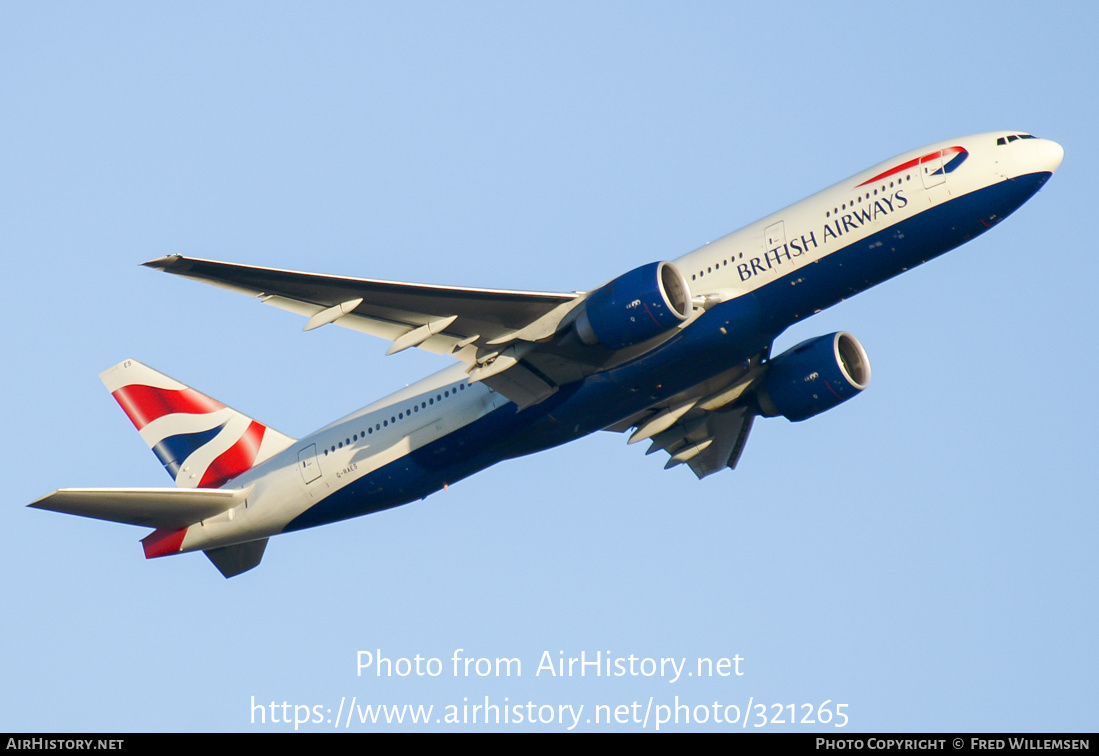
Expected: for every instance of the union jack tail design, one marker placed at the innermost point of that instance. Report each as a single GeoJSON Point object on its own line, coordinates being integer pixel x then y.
{"type": "Point", "coordinates": [201, 442]}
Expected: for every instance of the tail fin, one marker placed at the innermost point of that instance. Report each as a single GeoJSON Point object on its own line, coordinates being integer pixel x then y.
{"type": "Point", "coordinates": [201, 442]}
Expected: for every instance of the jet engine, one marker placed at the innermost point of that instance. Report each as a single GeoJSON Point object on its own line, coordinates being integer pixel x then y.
{"type": "Point", "coordinates": [814, 376]}
{"type": "Point", "coordinates": [635, 307]}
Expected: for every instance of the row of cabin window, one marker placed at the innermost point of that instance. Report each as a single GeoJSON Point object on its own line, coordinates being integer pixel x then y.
{"type": "Point", "coordinates": [827, 214]}
{"type": "Point", "coordinates": [399, 416]}
{"type": "Point", "coordinates": [836, 211]}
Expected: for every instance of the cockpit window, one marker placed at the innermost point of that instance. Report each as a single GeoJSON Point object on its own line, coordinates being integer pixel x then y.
{"type": "Point", "coordinates": [1013, 137]}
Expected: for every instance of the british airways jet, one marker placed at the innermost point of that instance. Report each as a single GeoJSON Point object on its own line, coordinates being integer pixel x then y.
{"type": "Point", "coordinates": [679, 352]}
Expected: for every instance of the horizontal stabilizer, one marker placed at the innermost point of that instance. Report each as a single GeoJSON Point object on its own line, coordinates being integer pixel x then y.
{"type": "Point", "coordinates": [233, 560]}
{"type": "Point", "coordinates": [162, 508]}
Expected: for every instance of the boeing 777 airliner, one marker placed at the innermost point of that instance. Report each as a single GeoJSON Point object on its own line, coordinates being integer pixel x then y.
{"type": "Point", "coordinates": [678, 351]}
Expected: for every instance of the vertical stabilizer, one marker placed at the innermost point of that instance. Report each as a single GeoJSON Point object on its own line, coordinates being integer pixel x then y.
{"type": "Point", "coordinates": [201, 442]}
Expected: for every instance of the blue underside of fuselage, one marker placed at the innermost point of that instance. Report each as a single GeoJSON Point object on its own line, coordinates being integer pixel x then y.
{"type": "Point", "coordinates": [720, 339]}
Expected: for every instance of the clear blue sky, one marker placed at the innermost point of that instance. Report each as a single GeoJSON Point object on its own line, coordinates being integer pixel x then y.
{"type": "Point", "coordinates": [924, 554]}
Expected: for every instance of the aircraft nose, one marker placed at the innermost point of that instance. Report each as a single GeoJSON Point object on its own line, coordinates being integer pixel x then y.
{"type": "Point", "coordinates": [1050, 154]}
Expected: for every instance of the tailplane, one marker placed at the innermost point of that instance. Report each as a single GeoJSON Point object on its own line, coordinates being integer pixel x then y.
{"type": "Point", "coordinates": [171, 511]}
{"type": "Point", "coordinates": [201, 442]}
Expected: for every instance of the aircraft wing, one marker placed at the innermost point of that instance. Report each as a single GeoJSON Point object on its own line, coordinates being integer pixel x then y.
{"type": "Point", "coordinates": [435, 318]}
{"type": "Point", "coordinates": [709, 444]}
{"type": "Point", "coordinates": [491, 330]}
{"type": "Point", "coordinates": [705, 428]}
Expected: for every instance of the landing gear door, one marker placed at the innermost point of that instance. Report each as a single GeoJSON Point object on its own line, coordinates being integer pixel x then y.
{"type": "Point", "coordinates": [308, 465]}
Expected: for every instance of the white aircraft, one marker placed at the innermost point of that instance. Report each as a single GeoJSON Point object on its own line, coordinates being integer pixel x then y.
{"type": "Point", "coordinates": [679, 351]}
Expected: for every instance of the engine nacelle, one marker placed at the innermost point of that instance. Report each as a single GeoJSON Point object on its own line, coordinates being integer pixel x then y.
{"type": "Point", "coordinates": [814, 376]}
{"type": "Point", "coordinates": [635, 307]}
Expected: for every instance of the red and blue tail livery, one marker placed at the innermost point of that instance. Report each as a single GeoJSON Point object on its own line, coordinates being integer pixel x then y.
{"type": "Point", "coordinates": [201, 442]}
{"type": "Point", "coordinates": [678, 352]}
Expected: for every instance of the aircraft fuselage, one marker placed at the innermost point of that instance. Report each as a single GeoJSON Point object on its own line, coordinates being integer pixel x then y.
{"type": "Point", "coordinates": [703, 348]}
{"type": "Point", "coordinates": [772, 273]}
